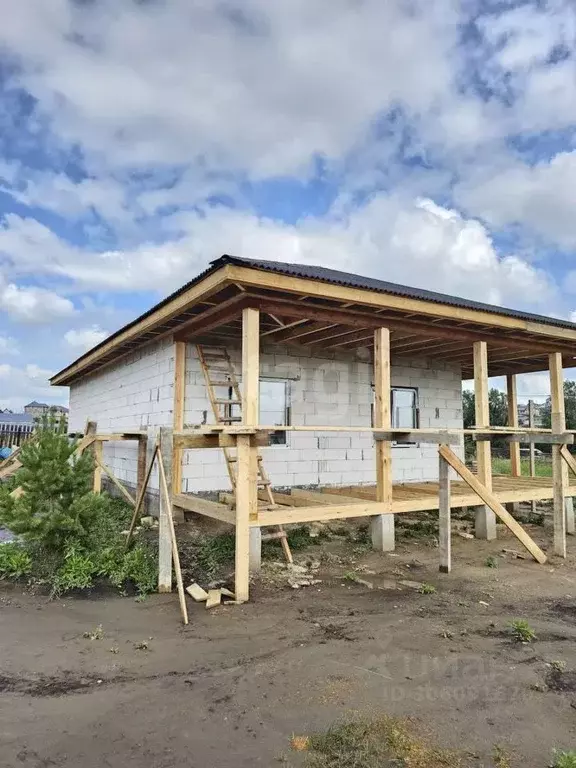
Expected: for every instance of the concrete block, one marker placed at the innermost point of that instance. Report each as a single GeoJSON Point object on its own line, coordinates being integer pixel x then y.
{"type": "Point", "coordinates": [255, 549]}
{"type": "Point", "coordinates": [484, 523]}
{"type": "Point", "coordinates": [382, 533]}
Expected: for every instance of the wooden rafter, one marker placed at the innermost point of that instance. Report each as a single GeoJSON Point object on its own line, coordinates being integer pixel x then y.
{"type": "Point", "coordinates": [216, 301]}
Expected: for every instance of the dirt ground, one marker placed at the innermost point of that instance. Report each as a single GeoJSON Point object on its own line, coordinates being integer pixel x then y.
{"type": "Point", "coordinates": [232, 688]}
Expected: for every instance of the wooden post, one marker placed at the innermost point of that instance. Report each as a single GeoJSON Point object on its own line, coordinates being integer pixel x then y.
{"type": "Point", "coordinates": [445, 532]}
{"type": "Point", "coordinates": [166, 494]}
{"type": "Point", "coordinates": [179, 397]}
{"type": "Point", "coordinates": [247, 452]}
{"type": "Point", "coordinates": [559, 470]}
{"type": "Point", "coordinates": [382, 526]}
{"type": "Point", "coordinates": [141, 469]}
{"type": "Point", "coordinates": [485, 526]}
{"type": "Point", "coordinates": [515, 466]}
{"type": "Point", "coordinates": [98, 460]}
{"type": "Point", "coordinates": [532, 459]}
{"type": "Point", "coordinates": [164, 534]}
{"type": "Point", "coordinates": [514, 448]}
{"type": "Point", "coordinates": [91, 428]}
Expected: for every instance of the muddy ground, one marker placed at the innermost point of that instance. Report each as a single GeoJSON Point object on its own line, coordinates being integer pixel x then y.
{"type": "Point", "coordinates": [233, 687]}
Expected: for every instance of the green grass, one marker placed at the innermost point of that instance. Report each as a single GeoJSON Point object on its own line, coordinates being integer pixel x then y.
{"type": "Point", "coordinates": [522, 632]}
{"type": "Point", "coordinates": [564, 759]}
{"type": "Point", "coordinates": [502, 467]}
{"type": "Point", "coordinates": [372, 743]}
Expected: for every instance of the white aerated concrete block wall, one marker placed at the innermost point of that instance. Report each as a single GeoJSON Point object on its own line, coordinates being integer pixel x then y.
{"type": "Point", "coordinates": [331, 389]}
{"type": "Point", "coordinates": [137, 392]}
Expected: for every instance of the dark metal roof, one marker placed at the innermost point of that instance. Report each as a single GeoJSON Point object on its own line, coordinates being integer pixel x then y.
{"type": "Point", "coordinates": [16, 418]}
{"type": "Point", "coordinates": [334, 277]}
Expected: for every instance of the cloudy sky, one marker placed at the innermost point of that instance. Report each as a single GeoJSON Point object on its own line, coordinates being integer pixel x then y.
{"type": "Point", "coordinates": [428, 142]}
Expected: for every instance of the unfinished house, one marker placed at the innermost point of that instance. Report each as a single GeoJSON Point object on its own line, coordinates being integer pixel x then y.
{"type": "Point", "coordinates": [285, 393]}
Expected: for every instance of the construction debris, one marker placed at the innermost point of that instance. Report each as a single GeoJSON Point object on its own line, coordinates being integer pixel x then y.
{"type": "Point", "coordinates": [514, 553]}
{"type": "Point", "coordinates": [213, 598]}
{"type": "Point", "coordinates": [412, 584]}
{"type": "Point", "coordinates": [197, 593]}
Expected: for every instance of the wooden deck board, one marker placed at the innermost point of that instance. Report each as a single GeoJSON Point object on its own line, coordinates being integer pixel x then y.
{"type": "Point", "coordinates": [415, 497]}
{"type": "Point", "coordinates": [407, 497]}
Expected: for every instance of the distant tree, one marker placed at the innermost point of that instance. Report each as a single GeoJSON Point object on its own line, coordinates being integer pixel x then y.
{"type": "Point", "coordinates": [468, 408]}
{"type": "Point", "coordinates": [497, 404]}
{"type": "Point", "coordinates": [498, 408]}
{"type": "Point", "coordinates": [569, 404]}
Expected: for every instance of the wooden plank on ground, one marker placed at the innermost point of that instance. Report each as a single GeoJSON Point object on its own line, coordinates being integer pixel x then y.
{"type": "Point", "coordinates": [491, 501]}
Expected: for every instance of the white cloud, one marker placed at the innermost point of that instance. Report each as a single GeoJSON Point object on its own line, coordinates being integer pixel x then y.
{"type": "Point", "coordinates": [530, 59]}
{"type": "Point", "coordinates": [541, 198]}
{"type": "Point", "coordinates": [165, 82]}
{"type": "Point", "coordinates": [30, 382]}
{"type": "Point", "coordinates": [29, 304]}
{"type": "Point", "coordinates": [392, 238]}
{"type": "Point", "coordinates": [8, 346]}
{"type": "Point", "coordinates": [34, 371]}
{"type": "Point", "coordinates": [85, 338]}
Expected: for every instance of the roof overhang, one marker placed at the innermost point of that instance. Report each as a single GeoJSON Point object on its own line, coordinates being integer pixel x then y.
{"type": "Point", "coordinates": [321, 314]}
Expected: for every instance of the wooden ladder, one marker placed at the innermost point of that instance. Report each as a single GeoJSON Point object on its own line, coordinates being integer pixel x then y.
{"type": "Point", "coordinates": [219, 374]}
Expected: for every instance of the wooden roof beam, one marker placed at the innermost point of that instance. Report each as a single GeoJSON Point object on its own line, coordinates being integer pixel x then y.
{"type": "Point", "coordinates": [365, 319]}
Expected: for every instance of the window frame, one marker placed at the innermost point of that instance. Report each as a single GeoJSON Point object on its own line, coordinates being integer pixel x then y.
{"type": "Point", "coordinates": [280, 434]}
{"type": "Point", "coordinates": [416, 412]}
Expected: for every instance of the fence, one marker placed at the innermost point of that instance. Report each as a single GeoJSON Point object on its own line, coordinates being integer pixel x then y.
{"type": "Point", "coordinates": [13, 435]}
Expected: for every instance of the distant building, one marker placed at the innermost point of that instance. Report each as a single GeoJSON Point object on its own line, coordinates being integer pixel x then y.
{"type": "Point", "coordinates": [36, 410]}
{"type": "Point", "coordinates": [14, 427]}
{"type": "Point", "coordinates": [524, 418]}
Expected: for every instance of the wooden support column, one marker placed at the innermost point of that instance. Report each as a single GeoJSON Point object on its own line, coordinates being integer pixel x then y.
{"type": "Point", "coordinates": [179, 390]}
{"type": "Point", "coordinates": [445, 531]}
{"type": "Point", "coordinates": [485, 526]}
{"type": "Point", "coordinates": [559, 469]}
{"type": "Point", "coordinates": [382, 526]}
{"type": "Point", "coordinates": [91, 428]}
{"type": "Point", "coordinates": [141, 467]}
{"type": "Point", "coordinates": [98, 459]}
{"type": "Point", "coordinates": [532, 459]}
{"type": "Point", "coordinates": [247, 454]}
{"type": "Point", "coordinates": [515, 465]}
{"type": "Point", "coordinates": [164, 533]}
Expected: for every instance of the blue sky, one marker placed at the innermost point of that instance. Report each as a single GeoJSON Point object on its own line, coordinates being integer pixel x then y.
{"type": "Point", "coordinates": [431, 143]}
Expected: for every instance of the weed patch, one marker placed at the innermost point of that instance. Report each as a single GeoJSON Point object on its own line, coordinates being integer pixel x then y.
{"type": "Point", "coordinates": [373, 743]}
{"type": "Point", "coordinates": [522, 632]}
{"type": "Point", "coordinates": [564, 759]}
